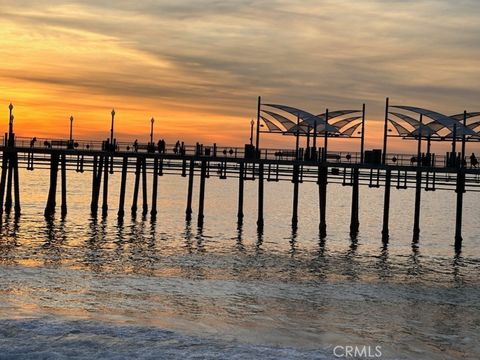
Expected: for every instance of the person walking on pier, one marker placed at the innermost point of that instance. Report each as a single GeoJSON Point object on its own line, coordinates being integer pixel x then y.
{"type": "Point", "coordinates": [161, 146]}
{"type": "Point", "coordinates": [135, 145]}
{"type": "Point", "coordinates": [473, 161]}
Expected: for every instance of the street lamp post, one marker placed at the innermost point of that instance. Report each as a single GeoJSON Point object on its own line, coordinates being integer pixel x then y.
{"type": "Point", "coordinates": [10, 121]}
{"type": "Point", "coordinates": [251, 131]}
{"type": "Point", "coordinates": [71, 128]}
{"type": "Point", "coordinates": [257, 139]}
{"type": "Point", "coordinates": [111, 128]}
{"type": "Point", "coordinates": [152, 120]}
{"type": "Point", "coordinates": [10, 125]}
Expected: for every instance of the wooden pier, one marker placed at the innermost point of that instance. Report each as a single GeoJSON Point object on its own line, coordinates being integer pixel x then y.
{"type": "Point", "coordinates": [226, 163]}
{"type": "Point", "coordinates": [250, 163]}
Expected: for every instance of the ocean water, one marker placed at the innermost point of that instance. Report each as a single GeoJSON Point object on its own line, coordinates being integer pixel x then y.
{"type": "Point", "coordinates": [88, 288]}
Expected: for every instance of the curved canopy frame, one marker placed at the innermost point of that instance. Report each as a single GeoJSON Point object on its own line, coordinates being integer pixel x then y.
{"type": "Point", "coordinates": [278, 123]}
{"type": "Point", "coordinates": [443, 120]}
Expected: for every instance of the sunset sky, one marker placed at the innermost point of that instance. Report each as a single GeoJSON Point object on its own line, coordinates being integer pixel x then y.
{"type": "Point", "coordinates": [197, 66]}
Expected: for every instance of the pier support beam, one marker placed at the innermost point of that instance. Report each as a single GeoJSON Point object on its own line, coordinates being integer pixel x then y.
{"type": "Point", "coordinates": [8, 197]}
{"type": "Point", "coordinates": [94, 180]}
{"type": "Point", "coordinates": [16, 184]}
{"type": "Point", "coordinates": [3, 179]}
{"type": "Point", "coordinates": [52, 191]}
{"type": "Point", "coordinates": [295, 196]}
{"type": "Point", "coordinates": [354, 222]}
{"type": "Point", "coordinates": [153, 211]}
{"type": "Point", "coordinates": [105, 188]}
{"type": "Point", "coordinates": [136, 187]}
{"type": "Point", "coordinates": [241, 183]}
{"type": "Point", "coordinates": [386, 206]}
{"type": "Point", "coordinates": [418, 194]}
{"type": "Point", "coordinates": [458, 221]}
{"type": "Point", "coordinates": [322, 194]}
{"type": "Point", "coordinates": [63, 171]}
{"type": "Point", "coordinates": [191, 173]}
{"type": "Point", "coordinates": [201, 196]}
{"type": "Point", "coordinates": [97, 180]}
{"type": "Point", "coordinates": [144, 187]}
{"type": "Point", "coordinates": [123, 184]}
{"type": "Point", "coordinates": [260, 222]}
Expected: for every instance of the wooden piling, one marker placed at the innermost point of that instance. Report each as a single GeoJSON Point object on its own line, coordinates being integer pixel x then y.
{"type": "Point", "coordinates": [8, 197]}
{"type": "Point", "coordinates": [16, 184]}
{"type": "Point", "coordinates": [322, 193]}
{"type": "Point", "coordinates": [241, 183]}
{"type": "Point", "coordinates": [191, 173]}
{"type": "Point", "coordinates": [418, 193]}
{"type": "Point", "coordinates": [123, 185]}
{"type": "Point", "coordinates": [260, 221]}
{"type": "Point", "coordinates": [460, 189]}
{"type": "Point", "coordinates": [105, 187]}
{"type": "Point", "coordinates": [136, 187]}
{"type": "Point", "coordinates": [153, 211]}
{"type": "Point", "coordinates": [96, 186]}
{"type": "Point", "coordinates": [63, 171]}
{"type": "Point", "coordinates": [52, 191]}
{"type": "Point", "coordinates": [3, 180]}
{"type": "Point", "coordinates": [94, 181]}
{"type": "Point", "coordinates": [144, 187]}
{"type": "Point", "coordinates": [354, 221]}
{"type": "Point", "coordinates": [386, 206]}
{"type": "Point", "coordinates": [201, 196]}
{"type": "Point", "coordinates": [295, 196]}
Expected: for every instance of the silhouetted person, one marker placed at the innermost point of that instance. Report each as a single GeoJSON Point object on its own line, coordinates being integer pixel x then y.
{"type": "Point", "coordinates": [135, 145]}
{"type": "Point", "coordinates": [473, 161]}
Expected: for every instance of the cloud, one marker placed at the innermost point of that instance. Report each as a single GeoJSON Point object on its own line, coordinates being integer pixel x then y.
{"type": "Point", "coordinates": [217, 56]}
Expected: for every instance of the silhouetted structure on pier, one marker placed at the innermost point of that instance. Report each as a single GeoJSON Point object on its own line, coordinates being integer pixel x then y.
{"type": "Point", "coordinates": [374, 168]}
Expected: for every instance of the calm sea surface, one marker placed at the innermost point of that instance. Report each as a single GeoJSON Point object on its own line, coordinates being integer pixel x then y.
{"type": "Point", "coordinates": [94, 288]}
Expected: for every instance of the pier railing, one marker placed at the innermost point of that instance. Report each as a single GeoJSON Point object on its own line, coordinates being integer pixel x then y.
{"type": "Point", "coordinates": [213, 151]}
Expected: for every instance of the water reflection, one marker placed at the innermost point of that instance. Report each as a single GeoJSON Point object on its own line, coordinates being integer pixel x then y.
{"type": "Point", "coordinates": [414, 266]}
{"type": "Point", "coordinates": [350, 261]}
{"type": "Point", "coordinates": [188, 236]}
{"type": "Point", "coordinates": [95, 255]}
{"type": "Point", "coordinates": [55, 240]}
{"type": "Point", "coordinates": [8, 241]}
{"type": "Point", "coordinates": [383, 264]}
{"type": "Point", "coordinates": [259, 243]}
{"type": "Point", "coordinates": [132, 247]}
{"type": "Point", "coordinates": [239, 239]}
